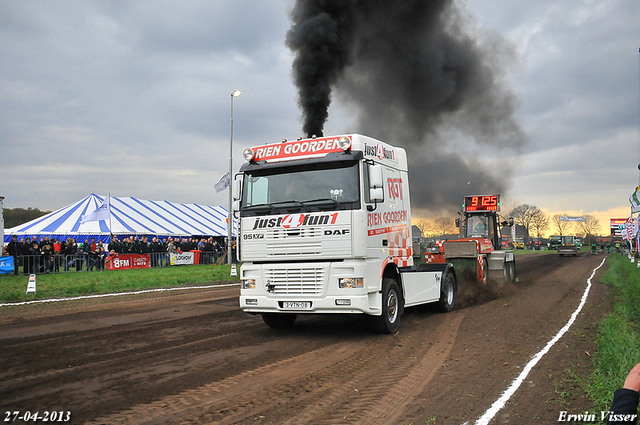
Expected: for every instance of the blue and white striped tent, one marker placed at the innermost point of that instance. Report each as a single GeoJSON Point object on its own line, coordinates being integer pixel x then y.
{"type": "Point", "coordinates": [129, 216]}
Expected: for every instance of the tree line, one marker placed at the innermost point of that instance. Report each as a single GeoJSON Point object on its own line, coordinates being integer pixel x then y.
{"type": "Point", "coordinates": [531, 217]}
{"type": "Point", "coordinates": [16, 216]}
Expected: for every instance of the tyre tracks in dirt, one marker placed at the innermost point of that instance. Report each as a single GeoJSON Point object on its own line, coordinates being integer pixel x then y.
{"type": "Point", "coordinates": [196, 358]}
{"type": "Point", "coordinates": [252, 395]}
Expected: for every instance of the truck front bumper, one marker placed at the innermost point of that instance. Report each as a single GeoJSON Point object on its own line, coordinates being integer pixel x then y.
{"type": "Point", "coordinates": [309, 288]}
{"type": "Point", "coordinates": [347, 304]}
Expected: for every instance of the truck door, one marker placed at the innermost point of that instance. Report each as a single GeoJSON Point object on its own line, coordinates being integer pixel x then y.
{"type": "Point", "coordinates": [396, 217]}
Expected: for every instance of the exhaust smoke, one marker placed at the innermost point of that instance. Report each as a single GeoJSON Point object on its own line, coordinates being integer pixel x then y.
{"type": "Point", "coordinates": [418, 74]}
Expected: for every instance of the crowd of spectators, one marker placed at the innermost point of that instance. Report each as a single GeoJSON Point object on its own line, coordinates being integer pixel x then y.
{"type": "Point", "coordinates": [51, 255]}
{"type": "Point", "coordinates": [142, 245]}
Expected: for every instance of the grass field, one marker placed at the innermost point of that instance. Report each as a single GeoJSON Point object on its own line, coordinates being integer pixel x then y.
{"type": "Point", "coordinates": [618, 334]}
{"type": "Point", "coordinates": [61, 285]}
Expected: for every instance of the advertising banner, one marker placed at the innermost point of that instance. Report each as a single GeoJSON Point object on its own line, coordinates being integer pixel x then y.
{"type": "Point", "coordinates": [6, 265]}
{"type": "Point", "coordinates": [181, 259]}
{"type": "Point", "coordinates": [128, 261]}
{"type": "Point", "coordinates": [297, 149]}
{"type": "Point", "coordinates": [617, 225]}
{"type": "Point", "coordinates": [573, 219]}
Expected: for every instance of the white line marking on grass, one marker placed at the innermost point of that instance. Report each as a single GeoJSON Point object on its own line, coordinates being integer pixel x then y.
{"type": "Point", "coordinates": [84, 297]}
{"type": "Point", "coordinates": [500, 403]}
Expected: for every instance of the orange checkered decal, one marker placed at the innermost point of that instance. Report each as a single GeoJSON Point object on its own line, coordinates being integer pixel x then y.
{"type": "Point", "coordinates": [400, 245]}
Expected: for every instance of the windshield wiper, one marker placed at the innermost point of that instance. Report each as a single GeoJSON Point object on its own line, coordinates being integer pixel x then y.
{"type": "Point", "coordinates": [260, 206]}
{"type": "Point", "coordinates": [325, 200]}
{"type": "Point", "coordinates": [292, 201]}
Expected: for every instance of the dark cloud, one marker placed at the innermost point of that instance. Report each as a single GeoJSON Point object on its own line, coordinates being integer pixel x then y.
{"type": "Point", "coordinates": [132, 97]}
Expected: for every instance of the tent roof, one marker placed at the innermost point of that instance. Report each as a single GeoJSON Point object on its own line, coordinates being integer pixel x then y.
{"type": "Point", "coordinates": [130, 216]}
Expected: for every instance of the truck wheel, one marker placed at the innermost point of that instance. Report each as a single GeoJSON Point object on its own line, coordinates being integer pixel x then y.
{"type": "Point", "coordinates": [279, 320]}
{"type": "Point", "coordinates": [509, 272]}
{"type": "Point", "coordinates": [388, 321]}
{"type": "Point", "coordinates": [485, 272]}
{"type": "Point", "coordinates": [447, 294]}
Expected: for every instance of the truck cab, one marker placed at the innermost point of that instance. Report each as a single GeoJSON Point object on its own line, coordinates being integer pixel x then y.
{"type": "Point", "coordinates": [481, 226]}
{"type": "Point", "coordinates": [325, 227]}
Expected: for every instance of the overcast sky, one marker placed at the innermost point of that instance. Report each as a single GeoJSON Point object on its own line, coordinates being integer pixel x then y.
{"type": "Point", "coordinates": [133, 98]}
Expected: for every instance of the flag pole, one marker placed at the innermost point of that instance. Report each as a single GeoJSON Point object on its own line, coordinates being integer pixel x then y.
{"type": "Point", "coordinates": [110, 228]}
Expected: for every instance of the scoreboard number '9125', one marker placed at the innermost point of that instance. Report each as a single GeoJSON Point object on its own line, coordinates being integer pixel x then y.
{"type": "Point", "coordinates": [482, 203]}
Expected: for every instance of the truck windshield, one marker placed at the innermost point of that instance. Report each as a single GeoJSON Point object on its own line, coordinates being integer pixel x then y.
{"type": "Point", "coordinates": [313, 187]}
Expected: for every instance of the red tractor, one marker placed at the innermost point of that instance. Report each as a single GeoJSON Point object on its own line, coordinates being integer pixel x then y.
{"type": "Point", "coordinates": [479, 250]}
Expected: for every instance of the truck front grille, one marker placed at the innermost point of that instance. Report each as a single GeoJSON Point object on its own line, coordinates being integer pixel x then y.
{"type": "Point", "coordinates": [296, 281]}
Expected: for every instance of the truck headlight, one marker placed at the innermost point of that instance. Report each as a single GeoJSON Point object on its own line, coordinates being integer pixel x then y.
{"type": "Point", "coordinates": [248, 284]}
{"type": "Point", "coordinates": [345, 143]}
{"type": "Point", "coordinates": [248, 154]}
{"type": "Point", "coordinates": [351, 282]}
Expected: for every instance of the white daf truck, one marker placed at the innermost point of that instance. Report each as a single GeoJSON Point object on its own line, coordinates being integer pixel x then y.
{"type": "Point", "coordinates": [325, 228]}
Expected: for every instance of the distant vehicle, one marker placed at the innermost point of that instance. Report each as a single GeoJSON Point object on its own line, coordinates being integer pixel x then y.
{"type": "Point", "coordinates": [554, 242]}
{"type": "Point", "coordinates": [568, 246]}
{"type": "Point", "coordinates": [535, 243]}
{"type": "Point", "coordinates": [577, 242]}
{"type": "Point", "coordinates": [519, 243]}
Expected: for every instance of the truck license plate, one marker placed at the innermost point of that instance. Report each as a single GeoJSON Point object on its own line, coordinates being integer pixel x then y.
{"type": "Point", "coordinates": [297, 305]}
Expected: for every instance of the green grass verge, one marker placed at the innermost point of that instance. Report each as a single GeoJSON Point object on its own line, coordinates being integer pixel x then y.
{"type": "Point", "coordinates": [618, 337]}
{"type": "Point", "coordinates": [62, 285]}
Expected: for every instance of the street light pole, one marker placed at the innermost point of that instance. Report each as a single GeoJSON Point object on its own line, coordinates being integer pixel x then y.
{"type": "Point", "coordinates": [236, 93]}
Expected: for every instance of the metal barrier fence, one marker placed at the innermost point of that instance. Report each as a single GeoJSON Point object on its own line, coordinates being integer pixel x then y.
{"type": "Point", "coordinates": [59, 263]}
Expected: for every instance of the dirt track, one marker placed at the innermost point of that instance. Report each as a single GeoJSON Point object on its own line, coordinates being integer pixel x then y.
{"type": "Point", "coordinates": [194, 357]}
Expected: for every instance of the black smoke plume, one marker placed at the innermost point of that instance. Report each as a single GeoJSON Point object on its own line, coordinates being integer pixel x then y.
{"type": "Point", "coordinates": [322, 37]}
{"type": "Point", "coordinates": [420, 75]}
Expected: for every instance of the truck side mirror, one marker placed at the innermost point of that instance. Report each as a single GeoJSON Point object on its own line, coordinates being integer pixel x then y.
{"type": "Point", "coordinates": [376, 192]}
{"type": "Point", "coordinates": [237, 188]}
{"type": "Point", "coordinates": [457, 222]}
{"type": "Point", "coordinates": [375, 176]}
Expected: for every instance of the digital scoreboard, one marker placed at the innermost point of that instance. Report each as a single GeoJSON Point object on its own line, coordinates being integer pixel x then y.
{"type": "Point", "coordinates": [481, 203]}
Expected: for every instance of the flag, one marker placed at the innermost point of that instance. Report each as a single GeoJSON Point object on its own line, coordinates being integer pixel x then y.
{"type": "Point", "coordinates": [626, 229]}
{"type": "Point", "coordinates": [103, 212]}
{"type": "Point", "coordinates": [630, 229]}
{"type": "Point", "coordinates": [223, 183]}
{"type": "Point", "coordinates": [635, 200]}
